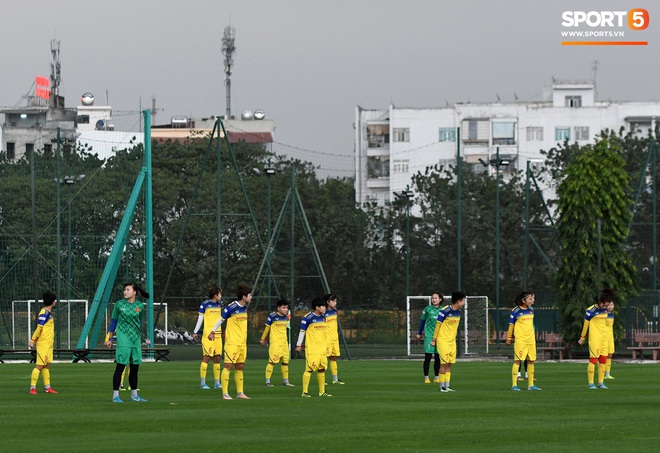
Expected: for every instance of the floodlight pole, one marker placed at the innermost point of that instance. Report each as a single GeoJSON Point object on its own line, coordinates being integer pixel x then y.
{"type": "Point", "coordinates": [497, 162]}
{"type": "Point", "coordinates": [407, 244]}
{"type": "Point", "coordinates": [59, 226]}
{"type": "Point", "coordinates": [458, 210]}
{"type": "Point", "coordinates": [408, 195]}
{"type": "Point", "coordinates": [497, 245]}
{"type": "Point", "coordinates": [69, 180]}
{"type": "Point", "coordinates": [269, 170]}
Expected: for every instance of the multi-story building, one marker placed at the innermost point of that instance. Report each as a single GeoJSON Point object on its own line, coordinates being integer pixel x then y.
{"type": "Point", "coordinates": [391, 145]}
{"type": "Point", "coordinates": [35, 127]}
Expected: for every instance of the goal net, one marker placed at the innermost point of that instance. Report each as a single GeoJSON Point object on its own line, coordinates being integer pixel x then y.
{"type": "Point", "coordinates": [69, 318]}
{"type": "Point", "coordinates": [473, 332]}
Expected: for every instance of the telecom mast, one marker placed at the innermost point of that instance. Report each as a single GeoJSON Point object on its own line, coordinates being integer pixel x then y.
{"type": "Point", "coordinates": [228, 49]}
{"type": "Point", "coordinates": [55, 67]}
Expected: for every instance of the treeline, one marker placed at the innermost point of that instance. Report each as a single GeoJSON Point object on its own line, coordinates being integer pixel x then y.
{"type": "Point", "coordinates": [363, 250]}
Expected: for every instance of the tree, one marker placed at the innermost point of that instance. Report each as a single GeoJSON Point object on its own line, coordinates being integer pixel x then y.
{"type": "Point", "coordinates": [436, 232]}
{"type": "Point", "coordinates": [594, 189]}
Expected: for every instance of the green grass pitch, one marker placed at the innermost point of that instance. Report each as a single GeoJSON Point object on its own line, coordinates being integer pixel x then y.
{"type": "Point", "coordinates": [384, 407]}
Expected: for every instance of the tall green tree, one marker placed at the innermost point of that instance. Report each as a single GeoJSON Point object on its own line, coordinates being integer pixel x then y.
{"type": "Point", "coordinates": [594, 189]}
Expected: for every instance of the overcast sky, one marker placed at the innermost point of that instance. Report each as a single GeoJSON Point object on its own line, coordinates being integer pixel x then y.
{"type": "Point", "coordinates": [308, 63]}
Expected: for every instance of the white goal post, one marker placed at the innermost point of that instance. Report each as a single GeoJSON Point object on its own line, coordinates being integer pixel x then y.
{"type": "Point", "coordinates": [70, 317]}
{"type": "Point", "coordinates": [474, 332]}
{"type": "Point", "coordinates": [72, 313]}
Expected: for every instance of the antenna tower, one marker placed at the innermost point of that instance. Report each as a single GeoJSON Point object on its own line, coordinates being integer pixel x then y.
{"type": "Point", "coordinates": [228, 49]}
{"type": "Point", "coordinates": [55, 67]}
{"type": "Point", "coordinates": [595, 69]}
{"type": "Point", "coordinates": [154, 110]}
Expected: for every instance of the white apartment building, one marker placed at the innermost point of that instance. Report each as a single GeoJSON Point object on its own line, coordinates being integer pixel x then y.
{"type": "Point", "coordinates": [394, 144]}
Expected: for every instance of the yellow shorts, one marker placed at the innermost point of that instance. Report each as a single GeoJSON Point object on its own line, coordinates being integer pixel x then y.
{"type": "Point", "coordinates": [598, 347]}
{"type": "Point", "coordinates": [44, 354]}
{"type": "Point", "coordinates": [278, 353]}
{"type": "Point", "coordinates": [524, 351]}
{"type": "Point", "coordinates": [316, 362]}
{"type": "Point", "coordinates": [235, 353]}
{"type": "Point", "coordinates": [333, 349]}
{"type": "Point", "coordinates": [447, 352]}
{"type": "Point", "coordinates": [212, 348]}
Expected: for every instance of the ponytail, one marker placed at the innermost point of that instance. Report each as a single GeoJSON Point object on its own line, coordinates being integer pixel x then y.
{"type": "Point", "coordinates": [138, 289]}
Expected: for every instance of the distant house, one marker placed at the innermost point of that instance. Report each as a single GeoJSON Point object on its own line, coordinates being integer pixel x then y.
{"type": "Point", "coordinates": [253, 129]}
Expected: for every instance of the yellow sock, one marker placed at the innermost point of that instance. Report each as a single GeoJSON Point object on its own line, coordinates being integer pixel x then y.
{"type": "Point", "coordinates": [285, 371]}
{"type": "Point", "coordinates": [333, 367]}
{"type": "Point", "coordinates": [608, 365]}
{"type": "Point", "coordinates": [305, 381]}
{"type": "Point", "coordinates": [45, 374]}
{"type": "Point", "coordinates": [320, 378]}
{"type": "Point", "coordinates": [530, 374]}
{"type": "Point", "coordinates": [123, 373]}
{"type": "Point", "coordinates": [269, 370]}
{"type": "Point", "coordinates": [443, 376]}
{"type": "Point", "coordinates": [591, 368]}
{"type": "Point", "coordinates": [514, 374]}
{"type": "Point", "coordinates": [224, 377]}
{"type": "Point", "coordinates": [238, 379]}
{"type": "Point", "coordinates": [202, 370]}
{"type": "Point", "coordinates": [601, 372]}
{"type": "Point", "coordinates": [447, 378]}
{"type": "Point", "coordinates": [34, 377]}
{"type": "Point", "coordinates": [216, 371]}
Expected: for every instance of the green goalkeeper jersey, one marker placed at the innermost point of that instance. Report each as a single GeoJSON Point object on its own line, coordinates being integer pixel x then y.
{"type": "Point", "coordinates": [129, 322]}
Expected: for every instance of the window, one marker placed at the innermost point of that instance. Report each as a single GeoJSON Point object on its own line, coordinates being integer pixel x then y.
{"type": "Point", "coordinates": [29, 149]}
{"type": "Point", "coordinates": [504, 133]}
{"type": "Point", "coordinates": [472, 131]}
{"type": "Point", "coordinates": [48, 149]}
{"type": "Point", "coordinates": [573, 101]}
{"type": "Point", "coordinates": [378, 167]}
{"type": "Point", "coordinates": [11, 150]}
{"type": "Point", "coordinates": [562, 133]}
{"type": "Point", "coordinates": [447, 134]}
{"type": "Point", "coordinates": [476, 131]}
{"type": "Point", "coordinates": [581, 132]}
{"type": "Point", "coordinates": [534, 134]}
{"type": "Point", "coordinates": [401, 134]}
{"type": "Point", "coordinates": [83, 119]}
{"type": "Point", "coordinates": [378, 135]}
{"type": "Point", "coordinates": [401, 166]}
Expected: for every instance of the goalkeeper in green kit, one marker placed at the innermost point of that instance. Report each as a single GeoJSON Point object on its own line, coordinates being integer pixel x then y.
{"type": "Point", "coordinates": [427, 325]}
{"type": "Point", "coordinates": [126, 325]}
